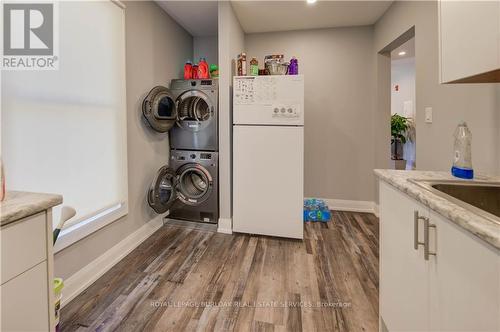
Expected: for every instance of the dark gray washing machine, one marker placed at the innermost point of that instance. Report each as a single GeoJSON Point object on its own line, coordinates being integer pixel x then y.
{"type": "Point", "coordinates": [194, 107]}
{"type": "Point", "coordinates": [187, 187]}
{"type": "Point", "coordinates": [197, 115]}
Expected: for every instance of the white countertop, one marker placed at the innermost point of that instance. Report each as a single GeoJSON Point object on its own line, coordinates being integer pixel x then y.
{"type": "Point", "coordinates": [483, 228]}
{"type": "Point", "coordinates": [18, 204]}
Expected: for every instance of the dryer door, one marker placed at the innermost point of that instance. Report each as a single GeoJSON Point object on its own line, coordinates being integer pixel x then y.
{"type": "Point", "coordinates": [195, 184]}
{"type": "Point", "coordinates": [159, 109]}
{"type": "Point", "coordinates": [163, 191]}
{"type": "Point", "coordinates": [195, 110]}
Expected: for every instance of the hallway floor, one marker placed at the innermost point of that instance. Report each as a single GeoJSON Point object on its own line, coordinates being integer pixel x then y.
{"type": "Point", "coordinates": [187, 279]}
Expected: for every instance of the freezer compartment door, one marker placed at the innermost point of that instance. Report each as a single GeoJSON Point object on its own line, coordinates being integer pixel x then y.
{"type": "Point", "coordinates": [271, 100]}
{"type": "Point", "coordinates": [268, 180]}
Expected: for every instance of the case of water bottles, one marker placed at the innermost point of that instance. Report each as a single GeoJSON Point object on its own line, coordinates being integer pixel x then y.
{"type": "Point", "coordinates": [316, 210]}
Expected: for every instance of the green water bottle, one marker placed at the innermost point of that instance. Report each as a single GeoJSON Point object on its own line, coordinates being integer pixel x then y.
{"type": "Point", "coordinates": [254, 67]}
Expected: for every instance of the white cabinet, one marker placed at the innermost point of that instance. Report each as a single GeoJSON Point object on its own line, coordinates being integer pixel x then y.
{"type": "Point", "coordinates": [402, 274]}
{"type": "Point", "coordinates": [464, 283]}
{"type": "Point", "coordinates": [469, 41]}
{"type": "Point", "coordinates": [27, 299]}
{"type": "Point", "coordinates": [458, 289]}
{"type": "Point", "coordinates": [28, 240]}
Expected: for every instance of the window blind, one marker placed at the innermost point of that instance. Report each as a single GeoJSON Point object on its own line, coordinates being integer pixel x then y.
{"type": "Point", "coordinates": [64, 131]}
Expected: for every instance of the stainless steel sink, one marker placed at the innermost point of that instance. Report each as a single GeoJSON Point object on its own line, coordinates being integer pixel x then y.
{"type": "Point", "coordinates": [482, 198]}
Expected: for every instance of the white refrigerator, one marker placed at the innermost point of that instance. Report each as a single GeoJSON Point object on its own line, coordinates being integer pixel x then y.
{"type": "Point", "coordinates": [268, 155]}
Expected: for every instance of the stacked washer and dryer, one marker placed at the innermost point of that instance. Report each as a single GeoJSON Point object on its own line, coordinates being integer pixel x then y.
{"type": "Point", "coordinates": [187, 187]}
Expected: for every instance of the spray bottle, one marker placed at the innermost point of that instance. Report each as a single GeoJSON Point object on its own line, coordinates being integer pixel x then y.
{"type": "Point", "coordinates": [462, 152]}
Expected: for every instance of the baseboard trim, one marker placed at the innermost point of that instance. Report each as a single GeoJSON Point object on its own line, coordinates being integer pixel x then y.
{"type": "Point", "coordinates": [191, 224]}
{"type": "Point", "coordinates": [225, 226]}
{"type": "Point", "coordinates": [351, 206]}
{"type": "Point", "coordinates": [85, 277]}
{"type": "Point", "coordinates": [375, 209]}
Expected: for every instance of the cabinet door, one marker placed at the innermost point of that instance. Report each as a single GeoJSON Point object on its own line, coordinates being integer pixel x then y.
{"type": "Point", "coordinates": [464, 280]}
{"type": "Point", "coordinates": [25, 301]}
{"type": "Point", "coordinates": [403, 271]}
{"type": "Point", "coordinates": [468, 38]}
{"type": "Point", "coordinates": [17, 256]}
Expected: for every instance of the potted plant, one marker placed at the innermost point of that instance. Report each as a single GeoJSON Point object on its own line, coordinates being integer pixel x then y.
{"type": "Point", "coordinates": [400, 133]}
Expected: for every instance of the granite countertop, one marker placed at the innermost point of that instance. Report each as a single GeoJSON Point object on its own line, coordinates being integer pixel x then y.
{"type": "Point", "coordinates": [485, 229]}
{"type": "Point", "coordinates": [19, 204]}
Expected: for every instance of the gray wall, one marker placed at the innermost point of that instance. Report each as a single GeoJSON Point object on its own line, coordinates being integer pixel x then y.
{"type": "Point", "coordinates": [348, 101]}
{"type": "Point", "coordinates": [207, 47]}
{"type": "Point", "coordinates": [338, 68]}
{"type": "Point", "coordinates": [498, 125]}
{"type": "Point", "coordinates": [151, 60]}
{"type": "Point", "coordinates": [231, 42]}
{"type": "Point", "coordinates": [475, 103]}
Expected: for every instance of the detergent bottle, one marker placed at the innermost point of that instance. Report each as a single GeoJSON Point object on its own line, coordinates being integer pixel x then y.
{"type": "Point", "coordinates": [462, 152]}
{"type": "Point", "coordinates": [195, 72]}
{"type": "Point", "coordinates": [293, 67]}
{"type": "Point", "coordinates": [188, 70]}
{"type": "Point", "coordinates": [203, 69]}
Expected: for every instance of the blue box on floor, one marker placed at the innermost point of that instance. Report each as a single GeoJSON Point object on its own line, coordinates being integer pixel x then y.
{"type": "Point", "coordinates": [316, 210]}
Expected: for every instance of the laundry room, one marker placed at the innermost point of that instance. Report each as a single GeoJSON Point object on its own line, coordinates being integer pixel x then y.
{"type": "Point", "coordinates": [230, 166]}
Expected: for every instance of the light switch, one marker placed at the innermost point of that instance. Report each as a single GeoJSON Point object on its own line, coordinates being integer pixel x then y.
{"type": "Point", "coordinates": [428, 115]}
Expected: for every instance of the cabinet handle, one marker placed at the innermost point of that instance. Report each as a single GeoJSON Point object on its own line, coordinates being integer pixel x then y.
{"type": "Point", "coordinates": [427, 226]}
{"type": "Point", "coordinates": [416, 219]}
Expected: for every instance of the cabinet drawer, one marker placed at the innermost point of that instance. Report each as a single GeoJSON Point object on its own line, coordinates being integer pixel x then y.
{"type": "Point", "coordinates": [24, 245]}
{"type": "Point", "coordinates": [25, 301]}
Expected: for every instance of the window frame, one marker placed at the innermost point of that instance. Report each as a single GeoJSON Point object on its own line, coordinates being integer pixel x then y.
{"type": "Point", "coordinates": [88, 225]}
{"type": "Point", "coordinates": [82, 228]}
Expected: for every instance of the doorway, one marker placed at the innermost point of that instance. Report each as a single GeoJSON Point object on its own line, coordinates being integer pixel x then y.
{"type": "Point", "coordinates": [403, 130]}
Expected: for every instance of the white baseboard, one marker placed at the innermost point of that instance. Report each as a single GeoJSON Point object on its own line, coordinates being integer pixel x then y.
{"type": "Point", "coordinates": [375, 209]}
{"type": "Point", "coordinates": [82, 279]}
{"type": "Point", "coordinates": [352, 206]}
{"type": "Point", "coordinates": [225, 226]}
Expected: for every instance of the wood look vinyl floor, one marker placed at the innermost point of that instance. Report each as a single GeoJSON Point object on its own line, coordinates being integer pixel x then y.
{"type": "Point", "coordinates": [193, 280]}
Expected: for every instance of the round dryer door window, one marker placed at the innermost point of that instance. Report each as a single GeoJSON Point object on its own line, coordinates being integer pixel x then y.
{"type": "Point", "coordinates": [194, 110]}
{"type": "Point", "coordinates": [195, 184]}
{"type": "Point", "coordinates": [159, 109]}
{"type": "Point", "coordinates": [162, 193]}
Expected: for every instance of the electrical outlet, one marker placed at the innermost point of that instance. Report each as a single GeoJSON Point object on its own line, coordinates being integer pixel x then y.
{"type": "Point", "coordinates": [428, 115]}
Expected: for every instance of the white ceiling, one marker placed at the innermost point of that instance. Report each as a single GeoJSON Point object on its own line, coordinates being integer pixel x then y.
{"type": "Point", "coordinates": [199, 18]}
{"type": "Point", "coordinates": [267, 16]}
